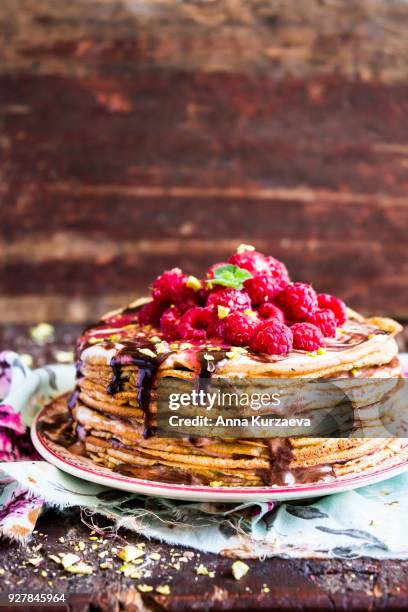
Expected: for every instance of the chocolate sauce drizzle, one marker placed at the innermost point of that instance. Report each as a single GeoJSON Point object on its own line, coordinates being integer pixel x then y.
{"type": "Point", "coordinates": [147, 367]}
{"type": "Point", "coordinates": [208, 360]}
{"type": "Point", "coordinates": [353, 338]}
{"type": "Point", "coordinates": [75, 394]}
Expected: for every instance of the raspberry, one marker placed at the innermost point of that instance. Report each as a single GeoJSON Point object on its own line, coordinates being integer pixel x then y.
{"type": "Point", "coordinates": [216, 329]}
{"type": "Point", "coordinates": [195, 323]}
{"type": "Point", "coordinates": [325, 320]}
{"type": "Point", "coordinates": [211, 269]}
{"type": "Point", "coordinates": [273, 338]}
{"type": "Point", "coordinates": [262, 288]}
{"type": "Point", "coordinates": [297, 301]}
{"type": "Point", "coordinates": [171, 287]}
{"type": "Point", "coordinates": [306, 337]}
{"type": "Point", "coordinates": [278, 271]}
{"type": "Point", "coordinates": [182, 307]}
{"type": "Point", "coordinates": [240, 328]}
{"type": "Point", "coordinates": [270, 311]}
{"type": "Point", "coordinates": [169, 322]}
{"type": "Point", "coordinates": [335, 304]}
{"type": "Point", "coordinates": [150, 313]}
{"type": "Point", "coordinates": [252, 261]}
{"type": "Point", "coordinates": [230, 298]}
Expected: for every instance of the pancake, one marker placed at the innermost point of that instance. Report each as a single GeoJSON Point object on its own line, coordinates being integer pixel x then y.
{"type": "Point", "coordinates": [114, 408]}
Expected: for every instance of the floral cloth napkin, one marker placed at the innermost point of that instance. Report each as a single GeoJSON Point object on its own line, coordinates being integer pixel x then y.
{"type": "Point", "coordinates": [370, 521]}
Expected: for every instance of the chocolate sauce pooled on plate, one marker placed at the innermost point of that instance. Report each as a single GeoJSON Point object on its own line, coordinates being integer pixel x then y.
{"type": "Point", "coordinates": [280, 454]}
{"type": "Point", "coordinates": [59, 427]}
{"type": "Point", "coordinates": [280, 472]}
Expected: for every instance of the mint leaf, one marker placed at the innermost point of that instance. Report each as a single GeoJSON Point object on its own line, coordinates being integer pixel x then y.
{"type": "Point", "coordinates": [230, 276]}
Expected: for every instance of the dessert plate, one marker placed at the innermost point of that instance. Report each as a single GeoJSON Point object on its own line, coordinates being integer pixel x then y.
{"type": "Point", "coordinates": [87, 470]}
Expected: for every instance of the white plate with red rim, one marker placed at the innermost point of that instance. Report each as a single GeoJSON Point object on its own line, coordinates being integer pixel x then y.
{"type": "Point", "coordinates": [85, 469]}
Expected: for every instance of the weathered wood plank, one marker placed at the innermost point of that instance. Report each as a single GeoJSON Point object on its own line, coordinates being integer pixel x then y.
{"type": "Point", "coordinates": [205, 130]}
{"type": "Point", "coordinates": [100, 220]}
{"type": "Point", "coordinates": [360, 39]}
{"type": "Point", "coordinates": [366, 275]}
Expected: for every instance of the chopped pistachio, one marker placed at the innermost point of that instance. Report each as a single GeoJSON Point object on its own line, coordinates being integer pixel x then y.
{"type": "Point", "coordinates": [163, 589]}
{"type": "Point", "coordinates": [321, 350]}
{"type": "Point", "coordinates": [80, 568]}
{"type": "Point", "coordinates": [155, 339]}
{"type": "Point", "coordinates": [185, 345]}
{"type": "Point", "coordinates": [245, 247]}
{"type": "Point", "coordinates": [106, 565]}
{"type": "Point", "coordinates": [238, 349]}
{"type": "Point", "coordinates": [202, 570]}
{"type": "Point", "coordinates": [103, 554]}
{"type": "Point", "coordinates": [35, 561]}
{"type": "Point", "coordinates": [81, 545]}
{"type": "Point", "coordinates": [148, 352]}
{"type": "Point", "coordinates": [129, 553]}
{"type": "Point", "coordinates": [223, 311]}
{"type": "Point", "coordinates": [239, 569]}
{"type": "Point", "coordinates": [54, 558]}
{"type": "Point", "coordinates": [193, 283]}
{"type": "Point", "coordinates": [26, 359]}
{"type": "Point", "coordinates": [162, 347]}
{"type": "Point", "coordinates": [250, 312]}
{"type": "Point", "coordinates": [69, 559]}
{"type": "Point", "coordinates": [216, 483]}
{"type": "Point", "coordinates": [145, 588]}
{"type": "Point", "coordinates": [94, 340]}
{"type": "Point", "coordinates": [354, 371]}
{"type": "Point", "coordinates": [137, 561]}
{"type": "Point", "coordinates": [312, 354]}
{"type": "Point", "coordinates": [155, 556]}
{"type": "Point", "coordinates": [43, 574]}
{"type": "Point", "coordinates": [42, 333]}
{"type": "Point", "coordinates": [231, 355]}
{"type": "Point", "coordinates": [130, 571]}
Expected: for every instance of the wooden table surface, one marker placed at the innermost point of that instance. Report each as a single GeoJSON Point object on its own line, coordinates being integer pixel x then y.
{"type": "Point", "coordinates": [270, 584]}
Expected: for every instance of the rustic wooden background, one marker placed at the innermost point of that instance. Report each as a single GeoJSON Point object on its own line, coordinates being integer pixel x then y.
{"type": "Point", "coordinates": [142, 134]}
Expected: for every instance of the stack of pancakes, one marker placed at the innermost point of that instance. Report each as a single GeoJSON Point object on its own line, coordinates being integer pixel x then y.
{"type": "Point", "coordinates": [121, 364]}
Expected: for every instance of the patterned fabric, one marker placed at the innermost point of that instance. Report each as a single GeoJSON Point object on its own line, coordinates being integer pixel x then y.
{"type": "Point", "coordinates": [369, 521]}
